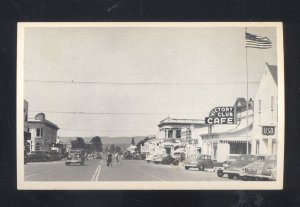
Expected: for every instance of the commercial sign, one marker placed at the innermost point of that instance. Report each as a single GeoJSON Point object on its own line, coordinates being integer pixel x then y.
{"type": "Point", "coordinates": [268, 130]}
{"type": "Point", "coordinates": [221, 115]}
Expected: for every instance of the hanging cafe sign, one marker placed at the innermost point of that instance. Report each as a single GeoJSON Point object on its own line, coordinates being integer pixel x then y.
{"type": "Point", "coordinates": [221, 115]}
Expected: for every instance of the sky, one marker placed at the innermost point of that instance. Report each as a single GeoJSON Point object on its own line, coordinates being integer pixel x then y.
{"type": "Point", "coordinates": [124, 81]}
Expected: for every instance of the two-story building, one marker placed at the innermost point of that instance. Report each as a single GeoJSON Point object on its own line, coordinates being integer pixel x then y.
{"type": "Point", "coordinates": [43, 133]}
{"type": "Point", "coordinates": [266, 113]}
{"type": "Point", "coordinates": [223, 140]}
{"type": "Point", "coordinates": [185, 133]}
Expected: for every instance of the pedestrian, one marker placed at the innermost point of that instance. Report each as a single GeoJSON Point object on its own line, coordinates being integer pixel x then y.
{"type": "Point", "coordinates": [109, 159]}
{"type": "Point", "coordinates": [117, 158]}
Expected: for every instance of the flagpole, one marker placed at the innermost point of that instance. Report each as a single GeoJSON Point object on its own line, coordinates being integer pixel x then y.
{"type": "Point", "coordinates": [247, 143]}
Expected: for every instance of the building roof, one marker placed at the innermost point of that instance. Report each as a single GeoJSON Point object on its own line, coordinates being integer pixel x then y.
{"type": "Point", "coordinates": [41, 118]}
{"type": "Point", "coordinates": [169, 120]}
{"type": "Point", "coordinates": [238, 131]}
{"type": "Point", "coordinates": [273, 71]}
{"type": "Point", "coordinates": [241, 105]}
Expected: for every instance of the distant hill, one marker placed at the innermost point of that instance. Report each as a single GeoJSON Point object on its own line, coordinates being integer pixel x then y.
{"type": "Point", "coordinates": [122, 140]}
{"type": "Point", "coordinates": [108, 140]}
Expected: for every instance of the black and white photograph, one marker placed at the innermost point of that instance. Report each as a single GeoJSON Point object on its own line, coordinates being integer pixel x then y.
{"type": "Point", "coordinates": [150, 106]}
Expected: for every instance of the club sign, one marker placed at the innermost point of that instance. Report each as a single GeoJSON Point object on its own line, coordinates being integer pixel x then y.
{"type": "Point", "coordinates": [221, 115]}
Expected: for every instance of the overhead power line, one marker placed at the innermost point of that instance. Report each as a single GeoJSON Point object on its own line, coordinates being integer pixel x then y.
{"type": "Point", "coordinates": [136, 83]}
{"type": "Point", "coordinates": [109, 113]}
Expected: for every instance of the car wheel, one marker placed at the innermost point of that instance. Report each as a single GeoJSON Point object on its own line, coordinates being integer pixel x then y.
{"type": "Point", "coordinates": [231, 176]}
{"type": "Point", "coordinates": [245, 178]}
{"type": "Point", "coordinates": [220, 173]}
{"type": "Point", "coordinates": [201, 167]}
{"type": "Point", "coordinates": [186, 168]}
{"type": "Point", "coordinates": [148, 160]}
{"type": "Point", "coordinates": [155, 162]}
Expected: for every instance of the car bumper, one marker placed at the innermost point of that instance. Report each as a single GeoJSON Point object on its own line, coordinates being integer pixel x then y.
{"type": "Point", "coordinates": [269, 177]}
{"type": "Point", "coordinates": [232, 172]}
{"type": "Point", "coordinates": [189, 165]}
{"type": "Point", "coordinates": [73, 161]}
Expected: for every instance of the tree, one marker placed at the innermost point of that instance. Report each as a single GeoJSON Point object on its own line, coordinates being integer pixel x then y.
{"type": "Point", "coordinates": [112, 148]}
{"type": "Point", "coordinates": [78, 143]}
{"type": "Point", "coordinates": [132, 141]}
{"type": "Point", "coordinates": [118, 150]}
{"type": "Point", "coordinates": [96, 144]}
{"type": "Point", "coordinates": [106, 148]}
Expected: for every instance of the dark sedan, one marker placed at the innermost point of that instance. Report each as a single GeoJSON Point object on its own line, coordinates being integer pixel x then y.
{"type": "Point", "coordinates": [199, 161]}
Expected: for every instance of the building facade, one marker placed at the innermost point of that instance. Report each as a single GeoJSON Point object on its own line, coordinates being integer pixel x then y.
{"type": "Point", "coordinates": [223, 140]}
{"type": "Point", "coordinates": [266, 113]}
{"type": "Point", "coordinates": [27, 134]}
{"type": "Point", "coordinates": [43, 133]}
{"type": "Point", "coordinates": [181, 133]}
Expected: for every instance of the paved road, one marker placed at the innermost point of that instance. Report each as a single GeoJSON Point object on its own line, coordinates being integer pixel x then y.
{"type": "Point", "coordinates": [127, 170]}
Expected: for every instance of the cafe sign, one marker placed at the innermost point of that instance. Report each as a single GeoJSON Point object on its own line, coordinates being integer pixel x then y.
{"type": "Point", "coordinates": [268, 130]}
{"type": "Point", "coordinates": [221, 115]}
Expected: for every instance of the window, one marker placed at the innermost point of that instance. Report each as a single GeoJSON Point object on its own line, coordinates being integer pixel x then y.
{"type": "Point", "coordinates": [272, 103]}
{"type": "Point", "coordinates": [257, 147]}
{"type": "Point", "coordinates": [259, 106]}
{"type": "Point", "coordinates": [37, 147]}
{"type": "Point", "coordinates": [39, 132]}
{"type": "Point", "coordinates": [178, 133]}
{"type": "Point", "coordinates": [170, 133]}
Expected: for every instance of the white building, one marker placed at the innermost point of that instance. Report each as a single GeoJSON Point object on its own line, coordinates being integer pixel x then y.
{"type": "Point", "coordinates": [224, 140]}
{"type": "Point", "coordinates": [185, 133]}
{"type": "Point", "coordinates": [43, 133]}
{"type": "Point", "coordinates": [266, 113]}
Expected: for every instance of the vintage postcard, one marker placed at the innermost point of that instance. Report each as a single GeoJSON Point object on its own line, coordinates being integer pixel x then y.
{"type": "Point", "coordinates": [107, 106]}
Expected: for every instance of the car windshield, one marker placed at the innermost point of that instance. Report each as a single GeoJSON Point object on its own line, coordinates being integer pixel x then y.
{"type": "Point", "coordinates": [246, 158]}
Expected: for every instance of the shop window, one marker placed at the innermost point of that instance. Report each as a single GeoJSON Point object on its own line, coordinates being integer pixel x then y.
{"type": "Point", "coordinates": [257, 147]}
{"type": "Point", "coordinates": [37, 147]}
{"type": "Point", "coordinates": [178, 133]}
{"type": "Point", "coordinates": [39, 132]}
{"type": "Point", "coordinates": [170, 134]}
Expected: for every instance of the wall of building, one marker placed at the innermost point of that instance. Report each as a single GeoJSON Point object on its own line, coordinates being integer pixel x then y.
{"type": "Point", "coordinates": [49, 136]}
{"type": "Point", "coordinates": [265, 114]}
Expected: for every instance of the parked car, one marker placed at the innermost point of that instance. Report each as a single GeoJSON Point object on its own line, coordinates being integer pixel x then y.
{"type": "Point", "coordinates": [39, 156]}
{"type": "Point", "coordinates": [262, 169]}
{"type": "Point", "coordinates": [157, 158]}
{"type": "Point", "coordinates": [179, 156]}
{"type": "Point", "coordinates": [97, 155]}
{"type": "Point", "coordinates": [199, 161]}
{"type": "Point", "coordinates": [127, 155]}
{"type": "Point", "coordinates": [236, 168]}
{"type": "Point", "coordinates": [55, 156]}
{"type": "Point", "coordinates": [149, 158]}
{"type": "Point", "coordinates": [75, 156]}
{"type": "Point", "coordinates": [230, 159]}
{"type": "Point", "coordinates": [25, 158]}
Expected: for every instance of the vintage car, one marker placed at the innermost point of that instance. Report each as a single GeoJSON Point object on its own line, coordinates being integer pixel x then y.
{"type": "Point", "coordinates": [199, 161]}
{"type": "Point", "coordinates": [39, 156]}
{"type": "Point", "coordinates": [231, 158]}
{"type": "Point", "coordinates": [166, 159]}
{"type": "Point", "coordinates": [127, 156]}
{"type": "Point", "coordinates": [149, 157]}
{"type": "Point", "coordinates": [262, 169]}
{"type": "Point", "coordinates": [55, 156]}
{"type": "Point", "coordinates": [75, 156]}
{"type": "Point", "coordinates": [236, 168]}
{"type": "Point", "coordinates": [97, 155]}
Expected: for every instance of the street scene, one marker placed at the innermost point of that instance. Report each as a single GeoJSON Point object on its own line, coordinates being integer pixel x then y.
{"type": "Point", "coordinates": [136, 103]}
{"type": "Point", "coordinates": [127, 170]}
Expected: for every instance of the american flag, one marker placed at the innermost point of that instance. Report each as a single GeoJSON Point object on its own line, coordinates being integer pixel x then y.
{"type": "Point", "coordinates": [254, 41]}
